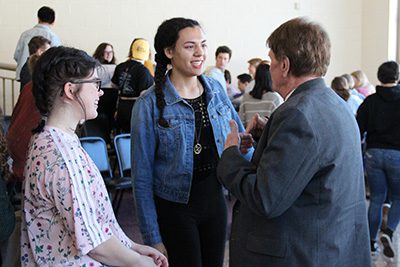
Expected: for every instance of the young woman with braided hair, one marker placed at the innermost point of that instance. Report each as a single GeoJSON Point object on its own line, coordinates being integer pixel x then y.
{"type": "Point", "coordinates": [67, 215]}
{"type": "Point", "coordinates": [179, 128]}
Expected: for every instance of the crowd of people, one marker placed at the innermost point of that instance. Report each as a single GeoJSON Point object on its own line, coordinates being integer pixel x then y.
{"type": "Point", "coordinates": [272, 142]}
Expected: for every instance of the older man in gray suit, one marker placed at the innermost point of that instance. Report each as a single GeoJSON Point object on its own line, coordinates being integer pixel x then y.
{"type": "Point", "coordinates": [301, 199]}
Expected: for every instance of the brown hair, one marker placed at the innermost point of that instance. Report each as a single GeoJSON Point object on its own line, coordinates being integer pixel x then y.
{"type": "Point", "coordinates": [36, 43]}
{"type": "Point", "coordinates": [306, 44]}
{"type": "Point", "coordinates": [255, 61]}
{"type": "Point", "coordinates": [341, 87]}
{"type": "Point", "coordinates": [99, 53]}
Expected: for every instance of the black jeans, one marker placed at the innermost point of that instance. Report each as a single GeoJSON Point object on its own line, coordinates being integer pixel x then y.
{"type": "Point", "coordinates": [194, 233]}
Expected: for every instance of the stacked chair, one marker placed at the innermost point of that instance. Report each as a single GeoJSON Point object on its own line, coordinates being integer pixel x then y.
{"type": "Point", "coordinates": [96, 147]}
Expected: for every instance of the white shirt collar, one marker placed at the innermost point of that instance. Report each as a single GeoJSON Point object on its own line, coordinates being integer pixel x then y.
{"type": "Point", "coordinates": [291, 92]}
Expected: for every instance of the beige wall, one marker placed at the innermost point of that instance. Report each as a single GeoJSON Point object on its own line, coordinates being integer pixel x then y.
{"type": "Point", "coordinates": [375, 46]}
{"type": "Point", "coordinates": [356, 27]}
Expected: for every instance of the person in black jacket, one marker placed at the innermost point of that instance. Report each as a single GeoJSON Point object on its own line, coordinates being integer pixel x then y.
{"type": "Point", "coordinates": [379, 117]}
{"type": "Point", "coordinates": [131, 78]}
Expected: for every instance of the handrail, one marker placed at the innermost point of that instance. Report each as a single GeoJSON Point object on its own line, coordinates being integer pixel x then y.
{"type": "Point", "coordinates": [8, 66]}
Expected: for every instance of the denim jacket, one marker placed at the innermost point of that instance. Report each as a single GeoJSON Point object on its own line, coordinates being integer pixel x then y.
{"type": "Point", "coordinates": [162, 158]}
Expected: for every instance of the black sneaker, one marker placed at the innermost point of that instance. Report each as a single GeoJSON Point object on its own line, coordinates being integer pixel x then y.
{"type": "Point", "coordinates": [388, 249]}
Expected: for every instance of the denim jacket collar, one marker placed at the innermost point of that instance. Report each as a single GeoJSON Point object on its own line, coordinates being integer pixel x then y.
{"type": "Point", "coordinates": [171, 94]}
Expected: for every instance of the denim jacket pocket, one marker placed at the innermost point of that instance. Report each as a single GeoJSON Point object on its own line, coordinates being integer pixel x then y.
{"type": "Point", "coordinates": [170, 138]}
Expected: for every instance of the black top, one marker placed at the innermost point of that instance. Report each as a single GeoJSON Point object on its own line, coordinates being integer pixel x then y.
{"type": "Point", "coordinates": [25, 75]}
{"type": "Point", "coordinates": [379, 116]}
{"type": "Point", "coordinates": [132, 78]}
{"type": "Point", "coordinates": [206, 161]}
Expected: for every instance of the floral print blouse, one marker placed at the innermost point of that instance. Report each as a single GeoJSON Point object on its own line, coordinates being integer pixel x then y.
{"type": "Point", "coordinates": [66, 211]}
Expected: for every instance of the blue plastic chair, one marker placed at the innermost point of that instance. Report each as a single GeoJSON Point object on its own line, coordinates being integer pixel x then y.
{"type": "Point", "coordinates": [96, 147]}
{"type": "Point", "coordinates": [122, 145]}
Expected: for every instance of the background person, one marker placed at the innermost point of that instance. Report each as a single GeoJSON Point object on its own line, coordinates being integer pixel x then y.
{"type": "Point", "coordinates": [379, 117]}
{"type": "Point", "coordinates": [104, 53]}
{"type": "Point", "coordinates": [362, 84]}
{"type": "Point", "coordinates": [131, 78]}
{"type": "Point", "coordinates": [262, 99]}
{"type": "Point", "coordinates": [341, 87]}
{"type": "Point", "coordinates": [46, 17]}
{"type": "Point", "coordinates": [253, 64]}
{"type": "Point", "coordinates": [243, 81]}
{"type": "Point", "coordinates": [223, 55]}
{"type": "Point", "coordinates": [37, 46]}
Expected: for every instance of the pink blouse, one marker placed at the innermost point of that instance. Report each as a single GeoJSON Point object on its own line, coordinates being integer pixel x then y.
{"type": "Point", "coordinates": [66, 210]}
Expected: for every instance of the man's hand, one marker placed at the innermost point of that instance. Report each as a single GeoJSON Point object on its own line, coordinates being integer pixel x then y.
{"type": "Point", "coordinates": [233, 138]}
{"type": "Point", "coordinates": [246, 142]}
{"type": "Point", "coordinates": [256, 125]}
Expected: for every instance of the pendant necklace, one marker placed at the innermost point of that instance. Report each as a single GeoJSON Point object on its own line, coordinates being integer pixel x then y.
{"type": "Point", "coordinates": [198, 147]}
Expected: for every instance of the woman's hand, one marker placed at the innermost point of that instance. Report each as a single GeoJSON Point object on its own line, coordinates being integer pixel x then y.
{"type": "Point", "coordinates": [160, 247]}
{"type": "Point", "coordinates": [158, 257]}
{"type": "Point", "coordinates": [145, 261]}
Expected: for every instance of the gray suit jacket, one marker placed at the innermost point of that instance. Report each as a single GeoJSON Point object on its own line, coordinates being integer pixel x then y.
{"type": "Point", "coordinates": [301, 201]}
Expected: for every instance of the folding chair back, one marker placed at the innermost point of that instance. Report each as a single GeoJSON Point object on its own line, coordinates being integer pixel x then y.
{"type": "Point", "coordinates": [122, 144]}
{"type": "Point", "coordinates": [96, 147]}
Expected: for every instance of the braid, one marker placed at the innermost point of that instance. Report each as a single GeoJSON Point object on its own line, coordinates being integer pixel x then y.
{"type": "Point", "coordinates": [159, 79]}
{"type": "Point", "coordinates": [53, 70]}
{"type": "Point", "coordinates": [41, 99]}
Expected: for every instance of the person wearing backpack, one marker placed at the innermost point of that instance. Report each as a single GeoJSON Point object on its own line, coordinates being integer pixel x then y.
{"type": "Point", "coordinates": [131, 78]}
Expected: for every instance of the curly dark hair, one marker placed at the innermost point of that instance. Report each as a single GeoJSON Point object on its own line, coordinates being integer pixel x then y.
{"type": "Point", "coordinates": [53, 70]}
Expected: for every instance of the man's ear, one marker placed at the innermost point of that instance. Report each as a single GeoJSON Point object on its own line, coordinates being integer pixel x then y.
{"type": "Point", "coordinates": [68, 91]}
{"type": "Point", "coordinates": [285, 66]}
{"type": "Point", "coordinates": [169, 52]}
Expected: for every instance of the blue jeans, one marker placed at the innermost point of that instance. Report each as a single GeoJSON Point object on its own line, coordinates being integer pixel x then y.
{"type": "Point", "coordinates": [383, 173]}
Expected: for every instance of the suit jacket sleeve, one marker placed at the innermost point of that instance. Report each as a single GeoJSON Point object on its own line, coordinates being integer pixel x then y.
{"type": "Point", "coordinates": [288, 162]}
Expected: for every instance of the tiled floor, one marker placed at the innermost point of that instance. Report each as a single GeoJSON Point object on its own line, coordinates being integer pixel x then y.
{"type": "Point", "coordinates": [127, 219]}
